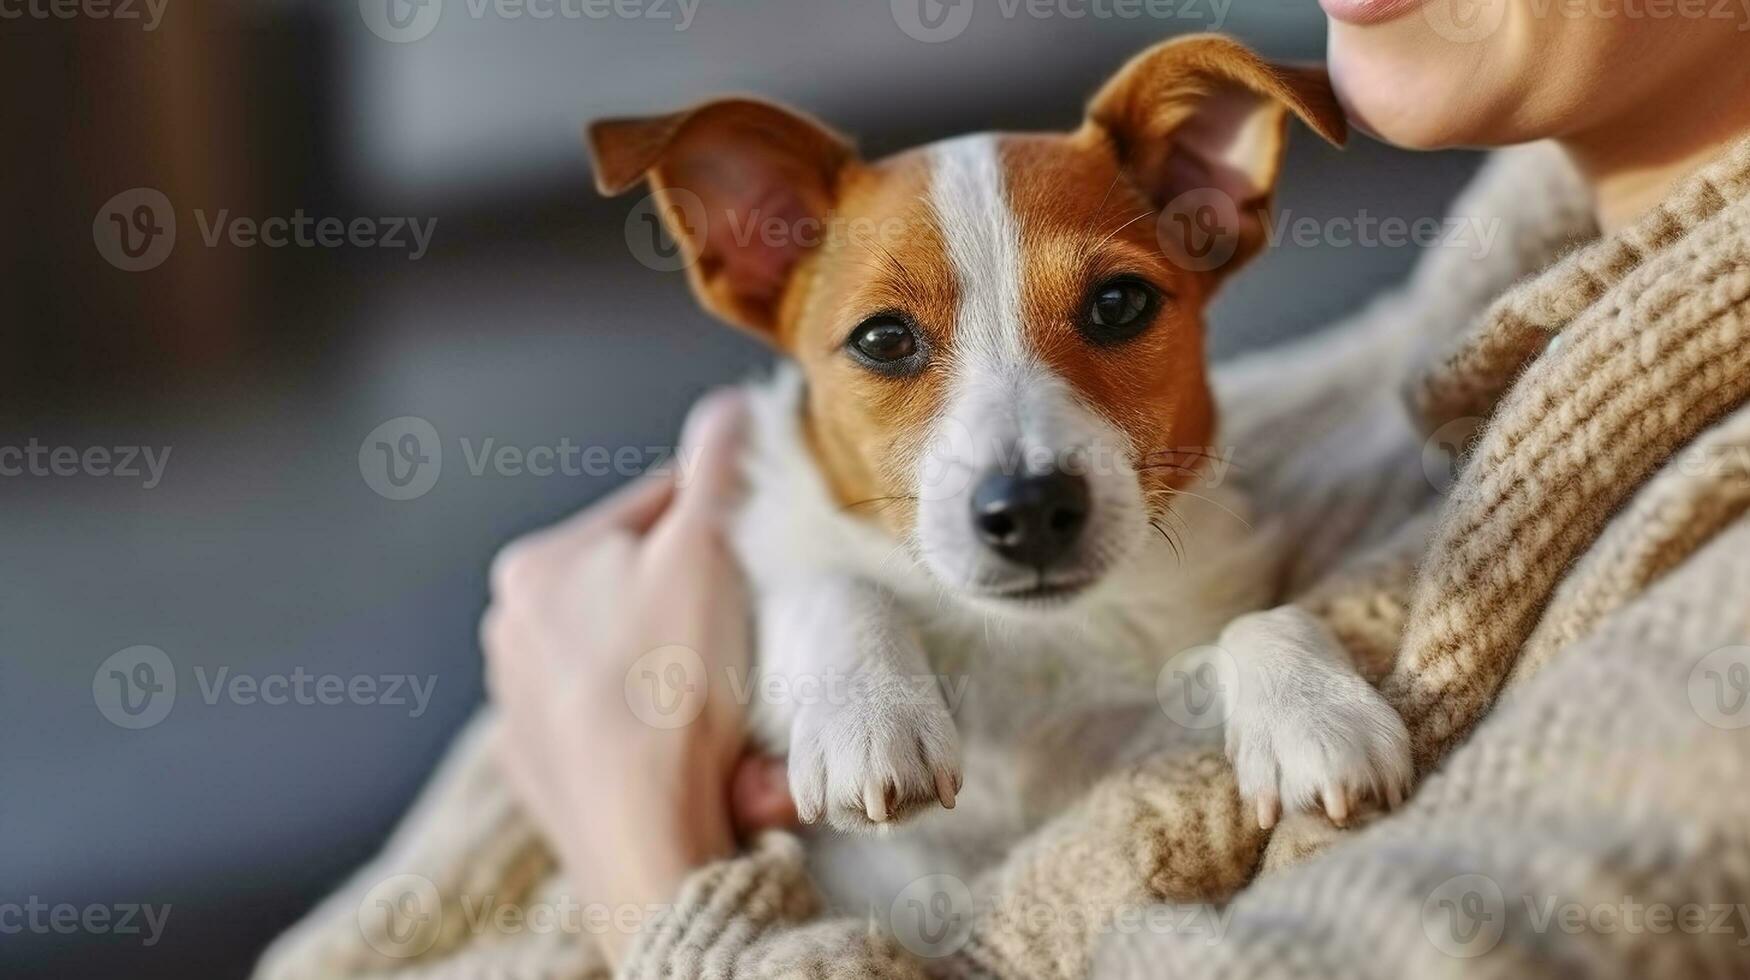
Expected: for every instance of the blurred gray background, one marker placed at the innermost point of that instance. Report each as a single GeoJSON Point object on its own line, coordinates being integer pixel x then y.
{"type": "Point", "coordinates": [263, 551]}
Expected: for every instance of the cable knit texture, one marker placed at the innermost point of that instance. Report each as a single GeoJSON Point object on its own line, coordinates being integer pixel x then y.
{"type": "Point", "coordinates": [1549, 625]}
{"type": "Point", "coordinates": [1652, 351]}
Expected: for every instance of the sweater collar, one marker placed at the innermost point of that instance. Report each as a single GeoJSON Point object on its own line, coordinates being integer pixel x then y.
{"type": "Point", "coordinates": [1470, 376]}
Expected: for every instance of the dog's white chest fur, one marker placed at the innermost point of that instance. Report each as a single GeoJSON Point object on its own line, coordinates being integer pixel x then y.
{"type": "Point", "coordinates": [1040, 705]}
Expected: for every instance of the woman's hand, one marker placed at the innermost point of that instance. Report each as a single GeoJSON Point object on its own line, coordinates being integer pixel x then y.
{"type": "Point", "coordinates": [611, 641]}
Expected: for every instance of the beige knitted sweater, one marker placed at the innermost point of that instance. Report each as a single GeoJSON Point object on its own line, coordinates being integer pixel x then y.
{"type": "Point", "coordinates": [1583, 582]}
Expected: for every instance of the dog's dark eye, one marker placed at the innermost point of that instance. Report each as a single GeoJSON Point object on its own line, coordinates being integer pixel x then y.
{"type": "Point", "coordinates": [1119, 309]}
{"type": "Point", "coordinates": [886, 343]}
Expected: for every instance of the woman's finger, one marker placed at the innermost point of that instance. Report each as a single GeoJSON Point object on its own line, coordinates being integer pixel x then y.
{"type": "Point", "coordinates": [633, 507]}
{"type": "Point", "coordinates": [535, 557]}
{"type": "Point", "coordinates": [759, 796]}
{"type": "Point", "coordinates": [710, 455]}
{"type": "Point", "coordinates": [510, 656]}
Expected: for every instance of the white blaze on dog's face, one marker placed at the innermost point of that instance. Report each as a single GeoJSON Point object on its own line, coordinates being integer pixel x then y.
{"type": "Point", "coordinates": [1004, 366]}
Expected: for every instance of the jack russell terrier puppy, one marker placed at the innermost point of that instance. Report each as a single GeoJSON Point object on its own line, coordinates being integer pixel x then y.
{"type": "Point", "coordinates": [984, 512]}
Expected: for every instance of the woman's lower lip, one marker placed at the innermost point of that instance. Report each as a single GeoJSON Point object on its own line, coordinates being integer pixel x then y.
{"type": "Point", "coordinates": [1368, 11]}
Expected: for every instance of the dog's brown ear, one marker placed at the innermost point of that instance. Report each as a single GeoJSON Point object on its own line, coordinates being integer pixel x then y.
{"type": "Point", "coordinates": [735, 181]}
{"type": "Point", "coordinates": [1203, 113]}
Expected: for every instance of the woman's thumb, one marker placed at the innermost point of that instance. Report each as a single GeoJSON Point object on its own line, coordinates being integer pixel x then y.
{"type": "Point", "coordinates": [709, 463]}
{"type": "Point", "coordinates": [759, 796]}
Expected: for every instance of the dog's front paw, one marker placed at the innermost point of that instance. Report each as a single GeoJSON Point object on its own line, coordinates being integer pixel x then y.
{"type": "Point", "coordinates": [873, 760]}
{"type": "Point", "coordinates": [1304, 729]}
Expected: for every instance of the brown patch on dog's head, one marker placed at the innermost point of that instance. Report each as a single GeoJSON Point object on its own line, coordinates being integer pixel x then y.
{"type": "Point", "coordinates": [800, 243]}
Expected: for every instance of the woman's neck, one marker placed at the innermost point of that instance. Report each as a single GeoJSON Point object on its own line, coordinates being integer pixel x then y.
{"type": "Point", "coordinates": [1674, 137]}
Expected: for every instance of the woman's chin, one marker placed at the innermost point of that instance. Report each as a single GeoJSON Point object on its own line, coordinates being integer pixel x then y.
{"type": "Point", "coordinates": [1399, 99]}
{"type": "Point", "coordinates": [1406, 131]}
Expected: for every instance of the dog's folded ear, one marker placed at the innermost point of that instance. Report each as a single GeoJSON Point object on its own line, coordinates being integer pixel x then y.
{"type": "Point", "coordinates": [1202, 113]}
{"type": "Point", "coordinates": [736, 182]}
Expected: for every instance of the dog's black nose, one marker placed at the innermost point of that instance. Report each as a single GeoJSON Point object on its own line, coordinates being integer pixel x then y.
{"type": "Point", "coordinates": [1030, 520]}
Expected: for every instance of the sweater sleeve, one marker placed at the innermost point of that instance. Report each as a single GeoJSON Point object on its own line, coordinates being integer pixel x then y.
{"type": "Point", "coordinates": [749, 917]}
{"type": "Point", "coordinates": [1592, 826]}
{"type": "Point", "coordinates": [1091, 871]}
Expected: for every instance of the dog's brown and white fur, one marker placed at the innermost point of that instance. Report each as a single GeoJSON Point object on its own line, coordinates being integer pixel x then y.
{"type": "Point", "coordinates": [909, 651]}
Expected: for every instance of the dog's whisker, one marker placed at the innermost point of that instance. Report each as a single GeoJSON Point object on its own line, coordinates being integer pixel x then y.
{"type": "Point", "coordinates": [1178, 554]}
{"type": "Point", "coordinates": [1172, 516]}
{"type": "Point", "coordinates": [1173, 491]}
{"type": "Point", "coordinates": [1101, 210]}
{"type": "Point", "coordinates": [878, 500]}
{"type": "Point", "coordinates": [1123, 226]}
{"type": "Point", "coordinates": [1188, 470]}
{"type": "Point", "coordinates": [1196, 454]}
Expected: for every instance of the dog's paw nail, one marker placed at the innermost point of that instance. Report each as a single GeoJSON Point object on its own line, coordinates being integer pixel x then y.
{"type": "Point", "coordinates": [1337, 804]}
{"type": "Point", "coordinates": [875, 801]}
{"type": "Point", "coordinates": [946, 787]}
{"type": "Point", "coordinates": [1269, 810]}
